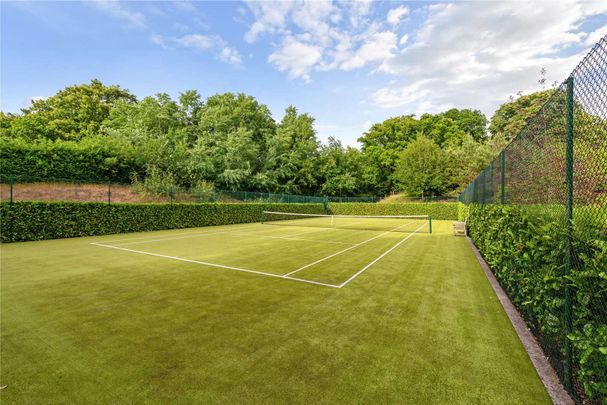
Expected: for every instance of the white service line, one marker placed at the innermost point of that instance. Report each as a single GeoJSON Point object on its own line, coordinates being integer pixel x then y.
{"type": "Point", "coordinates": [289, 238]}
{"type": "Point", "coordinates": [186, 236]}
{"type": "Point", "coordinates": [176, 234]}
{"type": "Point", "coordinates": [349, 248]}
{"type": "Point", "coordinates": [216, 265]}
{"type": "Point", "coordinates": [358, 273]}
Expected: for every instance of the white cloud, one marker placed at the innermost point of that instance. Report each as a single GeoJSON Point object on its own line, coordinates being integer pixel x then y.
{"type": "Point", "coordinates": [477, 54]}
{"type": "Point", "coordinates": [117, 10]}
{"type": "Point", "coordinates": [230, 55]}
{"type": "Point", "coordinates": [197, 41]}
{"type": "Point", "coordinates": [463, 54]}
{"type": "Point", "coordinates": [270, 17]}
{"type": "Point", "coordinates": [395, 15]}
{"type": "Point", "coordinates": [321, 35]}
{"type": "Point", "coordinates": [376, 47]}
{"type": "Point", "coordinates": [596, 35]}
{"type": "Point", "coordinates": [296, 58]}
{"type": "Point", "coordinates": [211, 43]}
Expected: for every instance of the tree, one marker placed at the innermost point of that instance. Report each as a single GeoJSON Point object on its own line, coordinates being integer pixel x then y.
{"type": "Point", "coordinates": [340, 169]}
{"type": "Point", "coordinates": [511, 117]}
{"type": "Point", "coordinates": [422, 168]}
{"type": "Point", "coordinates": [224, 121]}
{"type": "Point", "coordinates": [467, 159]}
{"type": "Point", "coordinates": [292, 152]}
{"type": "Point", "coordinates": [72, 114]}
{"type": "Point", "coordinates": [381, 146]}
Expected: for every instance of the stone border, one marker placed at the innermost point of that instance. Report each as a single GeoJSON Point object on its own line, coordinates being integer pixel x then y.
{"type": "Point", "coordinates": [549, 378]}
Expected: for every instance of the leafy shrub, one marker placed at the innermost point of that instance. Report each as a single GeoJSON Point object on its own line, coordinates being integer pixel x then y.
{"type": "Point", "coordinates": [156, 182]}
{"type": "Point", "coordinates": [526, 248]}
{"type": "Point", "coordinates": [204, 191]}
{"type": "Point", "coordinates": [462, 211]}
{"type": "Point", "coordinates": [436, 210]}
{"type": "Point", "coordinates": [93, 159]}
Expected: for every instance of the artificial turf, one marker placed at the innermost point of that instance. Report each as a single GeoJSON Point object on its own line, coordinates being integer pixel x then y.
{"type": "Point", "coordinates": [82, 323]}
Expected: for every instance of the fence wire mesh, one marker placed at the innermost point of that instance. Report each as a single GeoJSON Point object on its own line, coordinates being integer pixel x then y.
{"type": "Point", "coordinates": [546, 193]}
{"type": "Point", "coordinates": [32, 188]}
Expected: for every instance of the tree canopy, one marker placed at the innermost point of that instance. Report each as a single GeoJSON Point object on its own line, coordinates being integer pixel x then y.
{"type": "Point", "coordinates": [232, 141]}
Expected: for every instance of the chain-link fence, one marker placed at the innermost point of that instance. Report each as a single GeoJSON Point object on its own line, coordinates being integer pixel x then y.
{"type": "Point", "coordinates": [32, 188]}
{"type": "Point", "coordinates": [538, 213]}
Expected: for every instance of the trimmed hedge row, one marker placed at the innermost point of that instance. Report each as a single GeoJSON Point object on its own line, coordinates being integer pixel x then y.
{"type": "Point", "coordinates": [77, 161]}
{"type": "Point", "coordinates": [437, 210]}
{"type": "Point", "coordinates": [26, 221]}
{"type": "Point", "coordinates": [526, 249]}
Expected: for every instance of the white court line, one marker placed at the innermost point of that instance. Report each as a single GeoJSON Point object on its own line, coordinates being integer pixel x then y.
{"type": "Point", "coordinates": [216, 265]}
{"type": "Point", "coordinates": [350, 248]}
{"type": "Point", "coordinates": [191, 235]}
{"type": "Point", "coordinates": [177, 234]}
{"type": "Point", "coordinates": [253, 235]}
{"type": "Point", "coordinates": [233, 232]}
{"type": "Point", "coordinates": [358, 273]}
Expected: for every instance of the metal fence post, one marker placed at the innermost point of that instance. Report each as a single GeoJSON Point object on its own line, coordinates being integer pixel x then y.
{"type": "Point", "coordinates": [567, 377]}
{"type": "Point", "coordinates": [11, 181]}
{"type": "Point", "coordinates": [503, 177]}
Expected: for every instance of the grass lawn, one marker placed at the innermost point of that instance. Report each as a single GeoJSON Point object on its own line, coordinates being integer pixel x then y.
{"type": "Point", "coordinates": [140, 319]}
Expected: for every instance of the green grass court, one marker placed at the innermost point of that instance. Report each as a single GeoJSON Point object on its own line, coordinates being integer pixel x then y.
{"type": "Point", "coordinates": [308, 310]}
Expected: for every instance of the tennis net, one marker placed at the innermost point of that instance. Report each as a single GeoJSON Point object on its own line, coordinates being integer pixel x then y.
{"type": "Point", "coordinates": [391, 223]}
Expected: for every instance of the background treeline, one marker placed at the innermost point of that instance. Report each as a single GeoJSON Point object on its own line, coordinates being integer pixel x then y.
{"type": "Point", "coordinates": [94, 132]}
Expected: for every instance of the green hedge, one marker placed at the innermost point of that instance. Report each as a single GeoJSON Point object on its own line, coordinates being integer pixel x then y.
{"type": "Point", "coordinates": [91, 160]}
{"type": "Point", "coordinates": [436, 210]}
{"type": "Point", "coordinates": [26, 221]}
{"type": "Point", "coordinates": [526, 249]}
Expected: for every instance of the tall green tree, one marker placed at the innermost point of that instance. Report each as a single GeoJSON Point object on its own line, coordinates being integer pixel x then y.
{"type": "Point", "coordinates": [234, 130]}
{"type": "Point", "coordinates": [340, 169]}
{"type": "Point", "coordinates": [292, 153]}
{"type": "Point", "coordinates": [72, 114]}
{"type": "Point", "coordinates": [422, 169]}
{"type": "Point", "coordinates": [381, 145]}
{"type": "Point", "coordinates": [512, 116]}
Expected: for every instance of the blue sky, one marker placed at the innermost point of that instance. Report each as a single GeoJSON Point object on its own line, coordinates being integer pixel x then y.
{"type": "Point", "coordinates": [348, 64]}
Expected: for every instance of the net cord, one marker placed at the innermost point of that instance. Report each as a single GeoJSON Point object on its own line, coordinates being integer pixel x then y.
{"type": "Point", "coordinates": [347, 216]}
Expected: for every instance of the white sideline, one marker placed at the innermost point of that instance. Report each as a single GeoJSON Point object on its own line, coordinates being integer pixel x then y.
{"type": "Point", "coordinates": [216, 265]}
{"type": "Point", "coordinates": [358, 273]}
{"type": "Point", "coordinates": [349, 248]}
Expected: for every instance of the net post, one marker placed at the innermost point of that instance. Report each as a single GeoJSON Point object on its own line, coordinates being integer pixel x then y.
{"type": "Point", "coordinates": [325, 203]}
{"type": "Point", "coordinates": [11, 181]}
{"type": "Point", "coordinates": [430, 223]}
{"type": "Point", "coordinates": [262, 217]}
{"type": "Point", "coordinates": [567, 369]}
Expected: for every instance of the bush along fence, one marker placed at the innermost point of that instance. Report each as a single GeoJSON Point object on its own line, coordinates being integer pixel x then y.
{"type": "Point", "coordinates": [538, 214]}
{"type": "Point", "coordinates": [440, 211]}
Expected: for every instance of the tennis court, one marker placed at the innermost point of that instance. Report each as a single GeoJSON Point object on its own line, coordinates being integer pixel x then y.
{"type": "Point", "coordinates": [325, 250]}
{"type": "Point", "coordinates": [294, 310]}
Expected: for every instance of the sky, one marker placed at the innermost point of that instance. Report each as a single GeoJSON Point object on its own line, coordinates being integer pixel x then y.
{"type": "Point", "coordinates": [348, 64]}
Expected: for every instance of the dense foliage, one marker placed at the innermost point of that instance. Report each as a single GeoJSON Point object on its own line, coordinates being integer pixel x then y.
{"type": "Point", "coordinates": [526, 249]}
{"type": "Point", "coordinates": [25, 221]}
{"type": "Point", "coordinates": [231, 141]}
{"type": "Point", "coordinates": [437, 210]}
